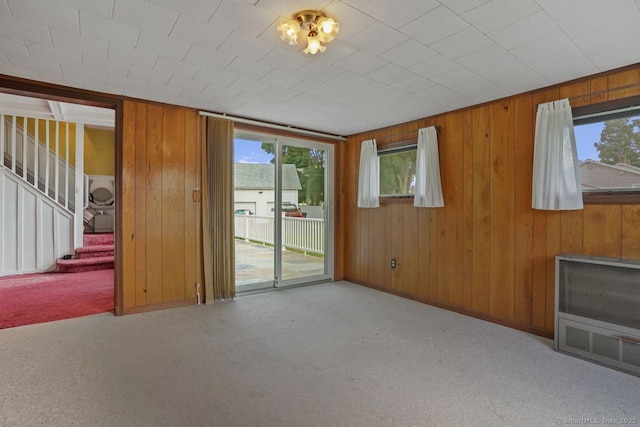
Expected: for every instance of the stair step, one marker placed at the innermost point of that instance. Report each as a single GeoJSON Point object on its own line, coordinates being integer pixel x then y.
{"type": "Point", "coordinates": [95, 239]}
{"type": "Point", "coordinates": [96, 251]}
{"type": "Point", "coordinates": [76, 265]}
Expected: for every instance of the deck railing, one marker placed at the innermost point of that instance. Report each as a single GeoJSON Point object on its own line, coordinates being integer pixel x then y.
{"type": "Point", "coordinates": [302, 234]}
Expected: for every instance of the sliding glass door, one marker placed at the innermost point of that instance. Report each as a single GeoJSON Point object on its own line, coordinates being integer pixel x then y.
{"type": "Point", "coordinates": [283, 211]}
{"type": "Point", "coordinates": [303, 230]}
{"type": "Point", "coordinates": [254, 199]}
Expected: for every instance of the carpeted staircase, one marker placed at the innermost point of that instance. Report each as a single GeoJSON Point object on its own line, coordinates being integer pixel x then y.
{"type": "Point", "coordinates": [96, 254]}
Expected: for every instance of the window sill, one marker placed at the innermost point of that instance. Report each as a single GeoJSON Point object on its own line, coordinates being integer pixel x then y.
{"type": "Point", "coordinates": [611, 198]}
{"type": "Point", "coordinates": [388, 200]}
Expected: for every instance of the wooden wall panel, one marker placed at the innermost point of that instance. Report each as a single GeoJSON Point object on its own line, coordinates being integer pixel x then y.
{"type": "Point", "coordinates": [553, 248]}
{"type": "Point", "coordinates": [603, 230]}
{"type": "Point", "coordinates": [502, 232]}
{"type": "Point", "coordinates": [523, 261]}
{"type": "Point", "coordinates": [394, 230]}
{"type": "Point", "coordinates": [441, 253]}
{"type": "Point", "coordinates": [410, 256]}
{"type": "Point", "coordinates": [487, 252]}
{"type": "Point", "coordinates": [424, 244]}
{"type": "Point", "coordinates": [140, 222]}
{"type": "Point", "coordinates": [192, 209]}
{"type": "Point", "coordinates": [481, 209]}
{"type": "Point", "coordinates": [365, 233]}
{"type": "Point", "coordinates": [159, 221]}
{"type": "Point", "coordinates": [453, 193]}
{"type": "Point", "coordinates": [349, 174]}
{"type": "Point", "coordinates": [128, 209]}
{"type": "Point", "coordinates": [624, 84]}
{"type": "Point", "coordinates": [173, 206]}
{"type": "Point", "coordinates": [379, 270]}
{"type": "Point", "coordinates": [433, 255]}
{"type": "Point", "coordinates": [153, 205]}
{"type": "Point", "coordinates": [467, 210]}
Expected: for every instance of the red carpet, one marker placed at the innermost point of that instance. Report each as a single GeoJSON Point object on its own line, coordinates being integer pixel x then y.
{"type": "Point", "coordinates": [96, 254]}
{"type": "Point", "coordinates": [38, 298]}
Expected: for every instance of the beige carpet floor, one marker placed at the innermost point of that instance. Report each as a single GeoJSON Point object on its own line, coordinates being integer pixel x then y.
{"type": "Point", "coordinates": [323, 355]}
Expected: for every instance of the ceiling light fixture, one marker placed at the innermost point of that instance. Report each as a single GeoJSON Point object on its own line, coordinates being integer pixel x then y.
{"type": "Point", "coordinates": [319, 29]}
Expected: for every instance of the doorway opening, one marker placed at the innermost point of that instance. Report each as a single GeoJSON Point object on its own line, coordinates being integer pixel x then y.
{"type": "Point", "coordinates": [57, 161]}
{"type": "Point", "coordinates": [283, 211]}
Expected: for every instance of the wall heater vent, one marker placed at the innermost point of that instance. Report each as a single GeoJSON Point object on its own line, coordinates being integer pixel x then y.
{"type": "Point", "coordinates": [598, 310]}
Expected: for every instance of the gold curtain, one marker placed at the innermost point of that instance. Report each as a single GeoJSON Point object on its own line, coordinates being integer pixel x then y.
{"type": "Point", "coordinates": [218, 252]}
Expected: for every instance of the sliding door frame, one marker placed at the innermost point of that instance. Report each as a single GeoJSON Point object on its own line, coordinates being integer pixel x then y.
{"type": "Point", "coordinates": [329, 215]}
{"type": "Point", "coordinates": [329, 205]}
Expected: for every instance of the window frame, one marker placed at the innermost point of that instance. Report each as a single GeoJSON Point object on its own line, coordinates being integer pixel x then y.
{"type": "Point", "coordinates": [388, 148]}
{"type": "Point", "coordinates": [603, 110]}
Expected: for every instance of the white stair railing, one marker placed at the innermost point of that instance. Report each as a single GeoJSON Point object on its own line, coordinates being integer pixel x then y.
{"type": "Point", "coordinates": [37, 159]}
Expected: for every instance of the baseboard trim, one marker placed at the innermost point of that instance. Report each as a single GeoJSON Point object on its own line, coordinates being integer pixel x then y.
{"type": "Point", "coordinates": [503, 322]}
{"type": "Point", "coordinates": [155, 307]}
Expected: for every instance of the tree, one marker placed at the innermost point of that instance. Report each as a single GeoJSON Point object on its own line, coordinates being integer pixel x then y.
{"type": "Point", "coordinates": [620, 138]}
{"type": "Point", "coordinates": [310, 165]}
{"type": "Point", "coordinates": [397, 172]}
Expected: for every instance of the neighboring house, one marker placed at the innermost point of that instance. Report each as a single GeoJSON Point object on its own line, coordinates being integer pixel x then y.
{"type": "Point", "coordinates": [597, 175]}
{"type": "Point", "coordinates": [254, 186]}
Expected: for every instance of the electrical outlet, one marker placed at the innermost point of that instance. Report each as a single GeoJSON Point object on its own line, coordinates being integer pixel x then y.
{"type": "Point", "coordinates": [393, 263]}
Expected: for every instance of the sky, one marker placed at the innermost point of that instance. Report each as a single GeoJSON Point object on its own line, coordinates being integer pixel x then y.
{"type": "Point", "coordinates": [247, 151]}
{"type": "Point", "coordinates": [586, 135]}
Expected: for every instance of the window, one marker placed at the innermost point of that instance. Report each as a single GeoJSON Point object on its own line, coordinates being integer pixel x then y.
{"type": "Point", "coordinates": [397, 171]}
{"type": "Point", "coordinates": [608, 145]}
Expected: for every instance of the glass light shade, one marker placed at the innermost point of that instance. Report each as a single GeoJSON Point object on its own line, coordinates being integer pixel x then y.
{"type": "Point", "coordinates": [288, 31]}
{"type": "Point", "coordinates": [327, 29]}
{"type": "Point", "coordinates": [314, 45]}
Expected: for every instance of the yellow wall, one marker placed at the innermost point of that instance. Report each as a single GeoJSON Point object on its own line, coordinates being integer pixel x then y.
{"type": "Point", "coordinates": [99, 151]}
{"type": "Point", "coordinates": [99, 144]}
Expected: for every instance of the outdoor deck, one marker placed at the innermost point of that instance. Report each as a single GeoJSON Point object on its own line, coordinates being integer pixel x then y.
{"type": "Point", "coordinates": [254, 263]}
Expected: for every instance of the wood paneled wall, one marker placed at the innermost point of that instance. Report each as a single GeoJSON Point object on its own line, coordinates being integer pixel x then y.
{"type": "Point", "coordinates": [158, 233]}
{"type": "Point", "coordinates": [487, 252]}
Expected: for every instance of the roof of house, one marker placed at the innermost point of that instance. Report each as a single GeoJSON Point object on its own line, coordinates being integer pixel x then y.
{"type": "Point", "coordinates": [595, 175]}
{"type": "Point", "coordinates": [250, 176]}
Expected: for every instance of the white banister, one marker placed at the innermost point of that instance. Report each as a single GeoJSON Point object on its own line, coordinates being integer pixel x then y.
{"type": "Point", "coordinates": [79, 186]}
{"type": "Point", "coordinates": [66, 169]}
{"type": "Point", "coordinates": [24, 148]}
{"type": "Point", "coordinates": [56, 165]}
{"type": "Point", "coordinates": [2, 143]}
{"type": "Point", "coordinates": [13, 144]}
{"type": "Point", "coordinates": [46, 165]}
{"type": "Point", "coordinates": [34, 161]}
{"type": "Point", "coordinates": [36, 154]}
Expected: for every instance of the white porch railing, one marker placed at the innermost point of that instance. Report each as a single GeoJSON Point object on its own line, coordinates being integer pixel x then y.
{"type": "Point", "coordinates": [303, 234]}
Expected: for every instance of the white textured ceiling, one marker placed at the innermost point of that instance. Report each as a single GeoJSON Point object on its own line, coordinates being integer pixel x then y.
{"type": "Point", "coordinates": [53, 110]}
{"type": "Point", "coordinates": [393, 60]}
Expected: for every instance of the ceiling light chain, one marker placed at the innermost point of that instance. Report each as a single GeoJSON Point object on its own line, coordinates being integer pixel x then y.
{"type": "Point", "coordinates": [319, 29]}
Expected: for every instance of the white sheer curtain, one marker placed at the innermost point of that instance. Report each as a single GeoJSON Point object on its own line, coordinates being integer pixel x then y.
{"type": "Point", "coordinates": [556, 172]}
{"type": "Point", "coordinates": [369, 176]}
{"type": "Point", "coordinates": [428, 189]}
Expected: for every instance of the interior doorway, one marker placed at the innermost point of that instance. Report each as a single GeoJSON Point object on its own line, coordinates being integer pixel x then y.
{"type": "Point", "coordinates": [54, 156]}
{"type": "Point", "coordinates": [283, 211]}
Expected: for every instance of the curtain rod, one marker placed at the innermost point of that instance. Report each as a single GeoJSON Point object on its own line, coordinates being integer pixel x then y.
{"type": "Point", "coordinates": [274, 126]}
{"type": "Point", "coordinates": [438, 129]}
